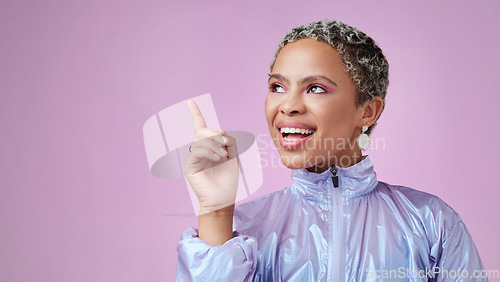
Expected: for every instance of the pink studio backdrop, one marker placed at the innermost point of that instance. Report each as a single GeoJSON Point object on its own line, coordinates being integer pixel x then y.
{"type": "Point", "coordinates": [79, 79]}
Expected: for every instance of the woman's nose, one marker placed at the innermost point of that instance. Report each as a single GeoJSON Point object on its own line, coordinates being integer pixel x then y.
{"type": "Point", "coordinates": [293, 104]}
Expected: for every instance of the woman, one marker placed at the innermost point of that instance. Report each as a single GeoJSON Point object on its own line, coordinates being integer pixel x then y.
{"type": "Point", "coordinates": [336, 222]}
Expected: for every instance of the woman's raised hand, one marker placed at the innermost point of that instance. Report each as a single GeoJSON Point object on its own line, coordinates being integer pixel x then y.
{"type": "Point", "coordinates": [212, 167]}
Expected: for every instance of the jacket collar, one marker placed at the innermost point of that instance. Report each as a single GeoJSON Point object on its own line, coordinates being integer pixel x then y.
{"type": "Point", "coordinates": [354, 181]}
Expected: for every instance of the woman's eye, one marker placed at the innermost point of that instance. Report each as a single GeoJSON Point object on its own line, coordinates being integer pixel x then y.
{"type": "Point", "coordinates": [276, 88]}
{"type": "Point", "coordinates": [316, 89]}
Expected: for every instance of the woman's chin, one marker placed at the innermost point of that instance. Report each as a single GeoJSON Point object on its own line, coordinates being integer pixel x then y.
{"type": "Point", "coordinates": [294, 166]}
{"type": "Point", "coordinates": [295, 163]}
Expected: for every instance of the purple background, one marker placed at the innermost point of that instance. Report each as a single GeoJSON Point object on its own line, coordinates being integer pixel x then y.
{"type": "Point", "coordinates": [78, 80]}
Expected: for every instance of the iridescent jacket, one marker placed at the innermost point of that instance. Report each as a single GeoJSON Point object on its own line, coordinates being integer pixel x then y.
{"type": "Point", "coordinates": [339, 225]}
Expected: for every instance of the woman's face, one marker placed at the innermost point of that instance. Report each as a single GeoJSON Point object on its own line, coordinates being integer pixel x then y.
{"type": "Point", "coordinates": [311, 90]}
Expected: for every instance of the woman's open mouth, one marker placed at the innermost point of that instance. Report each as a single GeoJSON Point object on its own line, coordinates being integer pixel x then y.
{"type": "Point", "coordinates": [292, 138]}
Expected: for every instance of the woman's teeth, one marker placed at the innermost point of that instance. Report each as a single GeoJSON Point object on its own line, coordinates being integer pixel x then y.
{"type": "Point", "coordinates": [296, 130]}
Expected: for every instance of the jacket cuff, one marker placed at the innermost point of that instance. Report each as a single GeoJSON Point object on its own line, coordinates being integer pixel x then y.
{"type": "Point", "coordinates": [235, 260]}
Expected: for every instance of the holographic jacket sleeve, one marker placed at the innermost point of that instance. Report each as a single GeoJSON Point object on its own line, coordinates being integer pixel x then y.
{"type": "Point", "coordinates": [199, 261]}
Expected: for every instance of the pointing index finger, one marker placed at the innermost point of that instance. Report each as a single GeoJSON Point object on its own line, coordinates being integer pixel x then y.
{"type": "Point", "coordinates": [198, 120]}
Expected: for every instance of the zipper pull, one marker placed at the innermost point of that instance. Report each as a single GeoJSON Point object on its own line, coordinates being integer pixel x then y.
{"type": "Point", "coordinates": [335, 177]}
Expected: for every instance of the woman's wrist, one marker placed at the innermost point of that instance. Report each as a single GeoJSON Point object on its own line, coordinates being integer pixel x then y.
{"type": "Point", "coordinates": [221, 212]}
{"type": "Point", "coordinates": [216, 227]}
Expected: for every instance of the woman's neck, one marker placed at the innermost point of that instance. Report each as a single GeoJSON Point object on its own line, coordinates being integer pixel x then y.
{"type": "Point", "coordinates": [342, 161]}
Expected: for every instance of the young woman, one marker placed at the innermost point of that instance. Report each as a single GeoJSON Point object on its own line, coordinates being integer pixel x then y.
{"type": "Point", "coordinates": [336, 222]}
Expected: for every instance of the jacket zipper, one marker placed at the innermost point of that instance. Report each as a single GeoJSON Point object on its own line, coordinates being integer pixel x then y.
{"type": "Point", "coordinates": [337, 227]}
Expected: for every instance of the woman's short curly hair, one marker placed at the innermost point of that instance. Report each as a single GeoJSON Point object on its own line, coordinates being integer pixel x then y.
{"type": "Point", "coordinates": [364, 60]}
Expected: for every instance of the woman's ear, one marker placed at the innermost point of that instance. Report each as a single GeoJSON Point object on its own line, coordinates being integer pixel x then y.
{"type": "Point", "coordinates": [372, 110]}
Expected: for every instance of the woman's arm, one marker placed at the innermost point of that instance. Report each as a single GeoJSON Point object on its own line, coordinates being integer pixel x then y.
{"type": "Point", "coordinates": [212, 170]}
{"type": "Point", "coordinates": [214, 252]}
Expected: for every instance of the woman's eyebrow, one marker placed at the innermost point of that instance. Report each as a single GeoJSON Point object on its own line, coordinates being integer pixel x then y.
{"type": "Point", "coordinates": [308, 79]}
{"type": "Point", "coordinates": [278, 76]}
{"type": "Point", "coordinates": [316, 77]}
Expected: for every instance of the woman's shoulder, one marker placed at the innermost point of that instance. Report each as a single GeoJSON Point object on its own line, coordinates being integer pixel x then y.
{"type": "Point", "coordinates": [434, 213]}
{"type": "Point", "coordinates": [416, 197]}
